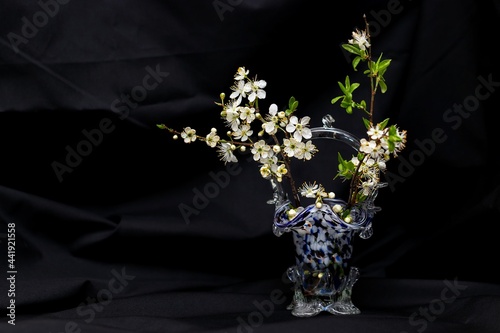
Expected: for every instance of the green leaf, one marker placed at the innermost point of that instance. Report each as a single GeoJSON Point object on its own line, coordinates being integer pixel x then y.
{"type": "Point", "coordinates": [352, 48]}
{"type": "Point", "coordinates": [393, 134]}
{"type": "Point", "coordinates": [355, 62]}
{"type": "Point", "coordinates": [292, 106]}
{"type": "Point", "coordinates": [344, 90]}
{"type": "Point", "coordinates": [392, 146]}
{"type": "Point", "coordinates": [353, 87]}
{"type": "Point", "coordinates": [343, 166]}
{"type": "Point", "coordinates": [384, 123]}
{"type": "Point", "coordinates": [382, 66]}
{"type": "Point", "coordinates": [363, 104]}
{"type": "Point", "coordinates": [395, 138]}
{"type": "Point", "coordinates": [345, 103]}
{"type": "Point", "coordinates": [367, 123]}
{"type": "Point", "coordinates": [383, 86]}
{"type": "Point", "coordinates": [334, 100]}
{"type": "Point", "coordinates": [347, 82]}
{"type": "Point", "coordinates": [361, 197]}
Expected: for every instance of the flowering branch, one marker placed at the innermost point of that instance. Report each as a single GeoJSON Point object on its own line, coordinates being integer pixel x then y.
{"type": "Point", "coordinates": [281, 136]}
{"type": "Point", "coordinates": [240, 113]}
{"type": "Point", "coordinates": [364, 169]}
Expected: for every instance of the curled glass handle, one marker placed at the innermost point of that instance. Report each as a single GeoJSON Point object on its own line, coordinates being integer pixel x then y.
{"type": "Point", "coordinates": [330, 132]}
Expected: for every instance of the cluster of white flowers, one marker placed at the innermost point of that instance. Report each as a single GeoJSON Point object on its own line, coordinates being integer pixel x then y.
{"type": "Point", "coordinates": [277, 137]}
{"type": "Point", "coordinates": [286, 132]}
{"type": "Point", "coordinates": [377, 151]}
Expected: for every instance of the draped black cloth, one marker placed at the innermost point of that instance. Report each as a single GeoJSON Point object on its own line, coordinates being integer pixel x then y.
{"type": "Point", "coordinates": [118, 228]}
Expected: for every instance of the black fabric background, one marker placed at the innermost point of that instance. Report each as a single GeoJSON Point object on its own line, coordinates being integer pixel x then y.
{"type": "Point", "coordinates": [117, 212]}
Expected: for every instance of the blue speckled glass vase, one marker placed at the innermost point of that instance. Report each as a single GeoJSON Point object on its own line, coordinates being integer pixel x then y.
{"type": "Point", "coordinates": [323, 276]}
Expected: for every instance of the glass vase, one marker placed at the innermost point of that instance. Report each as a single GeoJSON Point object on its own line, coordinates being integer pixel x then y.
{"type": "Point", "coordinates": [323, 276]}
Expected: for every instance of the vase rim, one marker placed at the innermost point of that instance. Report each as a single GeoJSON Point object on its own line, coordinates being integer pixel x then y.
{"type": "Point", "coordinates": [364, 222]}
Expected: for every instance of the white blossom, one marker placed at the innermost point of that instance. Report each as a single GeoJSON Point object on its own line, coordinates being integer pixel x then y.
{"type": "Point", "coordinates": [299, 128]}
{"type": "Point", "coordinates": [226, 153]}
{"type": "Point", "coordinates": [256, 89]}
{"type": "Point", "coordinates": [212, 138]}
{"type": "Point", "coordinates": [260, 150]}
{"type": "Point", "coordinates": [240, 90]}
{"type": "Point", "coordinates": [189, 135]}
{"type": "Point", "coordinates": [360, 39]}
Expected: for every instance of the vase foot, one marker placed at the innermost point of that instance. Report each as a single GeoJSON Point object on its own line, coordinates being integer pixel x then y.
{"type": "Point", "coordinates": [342, 309]}
{"type": "Point", "coordinates": [343, 304]}
{"type": "Point", "coordinates": [306, 310]}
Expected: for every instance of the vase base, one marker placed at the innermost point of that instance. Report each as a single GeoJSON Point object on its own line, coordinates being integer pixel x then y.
{"type": "Point", "coordinates": [314, 307]}
{"type": "Point", "coordinates": [306, 309]}
{"type": "Point", "coordinates": [338, 303]}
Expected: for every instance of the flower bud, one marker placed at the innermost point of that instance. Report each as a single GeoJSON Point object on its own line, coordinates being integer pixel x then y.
{"type": "Point", "coordinates": [291, 213]}
{"type": "Point", "coordinates": [337, 208]}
